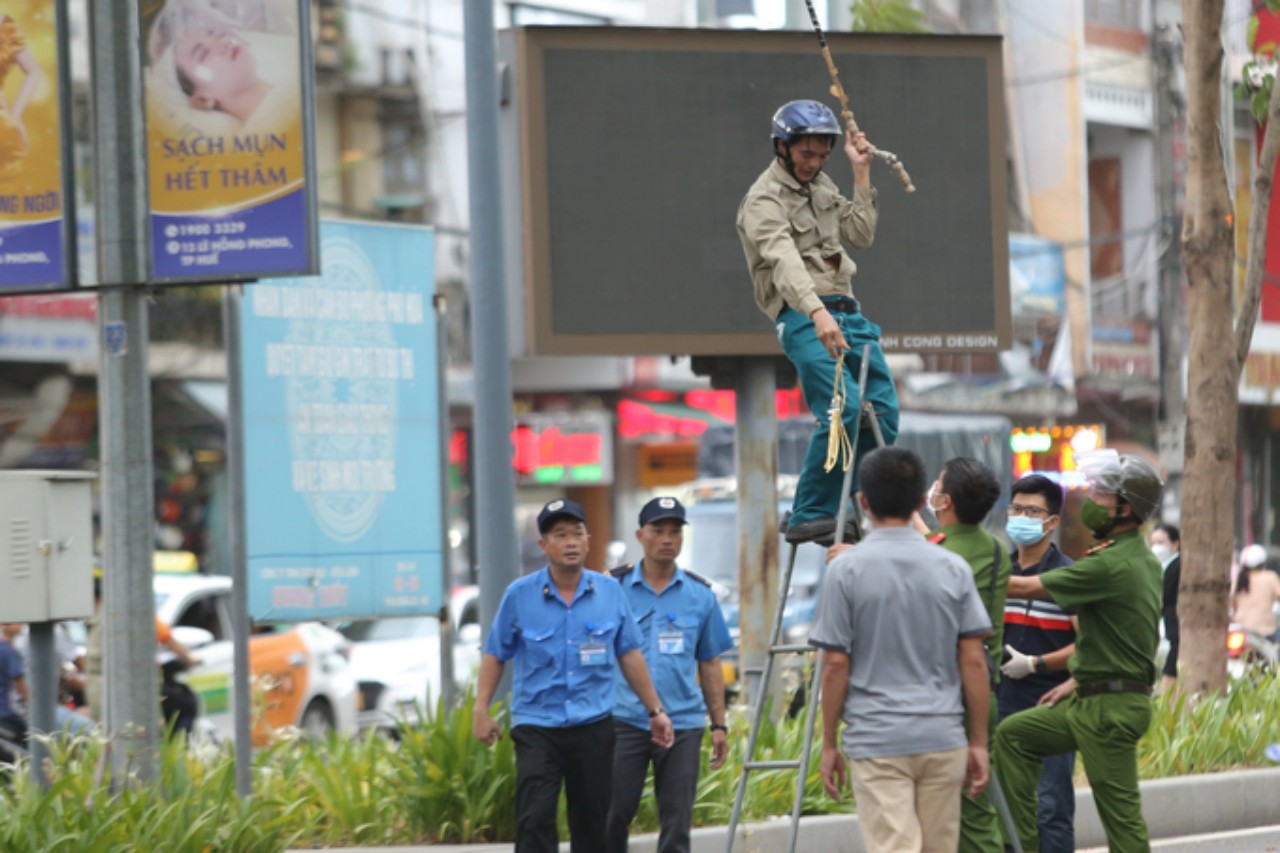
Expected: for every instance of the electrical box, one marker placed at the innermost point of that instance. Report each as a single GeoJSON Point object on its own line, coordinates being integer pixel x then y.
{"type": "Point", "coordinates": [46, 546]}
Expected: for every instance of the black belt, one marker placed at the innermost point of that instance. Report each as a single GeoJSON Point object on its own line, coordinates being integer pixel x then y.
{"type": "Point", "coordinates": [841, 304]}
{"type": "Point", "coordinates": [835, 304]}
{"type": "Point", "coordinates": [1097, 688]}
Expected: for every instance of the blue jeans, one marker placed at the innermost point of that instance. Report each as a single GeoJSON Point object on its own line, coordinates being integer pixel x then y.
{"type": "Point", "coordinates": [818, 491]}
{"type": "Point", "coordinates": [1056, 806]}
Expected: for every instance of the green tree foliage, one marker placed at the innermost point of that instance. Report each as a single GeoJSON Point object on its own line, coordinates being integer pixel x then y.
{"type": "Point", "coordinates": [887, 16]}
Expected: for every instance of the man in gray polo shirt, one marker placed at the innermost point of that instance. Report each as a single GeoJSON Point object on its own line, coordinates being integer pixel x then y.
{"type": "Point", "coordinates": [902, 625]}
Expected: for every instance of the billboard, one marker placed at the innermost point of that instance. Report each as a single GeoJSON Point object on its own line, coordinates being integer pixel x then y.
{"type": "Point", "coordinates": [33, 164]}
{"type": "Point", "coordinates": [342, 432]}
{"type": "Point", "coordinates": [629, 150]}
{"type": "Point", "coordinates": [228, 94]}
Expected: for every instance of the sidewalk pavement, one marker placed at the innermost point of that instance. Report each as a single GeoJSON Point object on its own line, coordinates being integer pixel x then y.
{"type": "Point", "coordinates": [1180, 806]}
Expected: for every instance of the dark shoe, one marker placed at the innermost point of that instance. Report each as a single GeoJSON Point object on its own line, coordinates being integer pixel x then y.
{"type": "Point", "coordinates": [821, 530]}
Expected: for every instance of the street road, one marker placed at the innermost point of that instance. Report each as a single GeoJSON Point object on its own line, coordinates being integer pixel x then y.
{"type": "Point", "coordinates": [1263, 840]}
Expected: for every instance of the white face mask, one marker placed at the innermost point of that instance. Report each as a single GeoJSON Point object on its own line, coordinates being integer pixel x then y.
{"type": "Point", "coordinates": [928, 498]}
{"type": "Point", "coordinates": [1162, 551]}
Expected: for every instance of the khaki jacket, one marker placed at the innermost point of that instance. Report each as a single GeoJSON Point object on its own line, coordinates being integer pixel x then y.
{"type": "Point", "coordinates": [791, 235]}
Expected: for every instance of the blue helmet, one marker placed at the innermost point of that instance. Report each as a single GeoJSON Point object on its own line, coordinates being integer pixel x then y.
{"type": "Point", "coordinates": [804, 118]}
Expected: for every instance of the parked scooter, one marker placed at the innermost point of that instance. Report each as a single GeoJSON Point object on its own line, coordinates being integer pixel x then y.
{"type": "Point", "coordinates": [1248, 650]}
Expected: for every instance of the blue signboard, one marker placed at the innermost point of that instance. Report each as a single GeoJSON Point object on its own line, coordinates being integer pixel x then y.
{"type": "Point", "coordinates": [1037, 275]}
{"type": "Point", "coordinates": [342, 432]}
{"type": "Point", "coordinates": [35, 138]}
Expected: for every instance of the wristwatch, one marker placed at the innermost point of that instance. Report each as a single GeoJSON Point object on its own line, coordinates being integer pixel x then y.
{"type": "Point", "coordinates": [719, 727]}
{"type": "Point", "coordinates": [653, 712]}
{"type": "Point", "coordinates": [1039, 664]}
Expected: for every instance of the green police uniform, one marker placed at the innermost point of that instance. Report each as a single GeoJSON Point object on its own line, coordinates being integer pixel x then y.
{"type": "Point", "coordinates": [979, 823]}
{"type": "Point", "coordinates": [1115, 591]}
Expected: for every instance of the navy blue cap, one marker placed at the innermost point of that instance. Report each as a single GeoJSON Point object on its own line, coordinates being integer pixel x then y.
{"type": "Point", "coordinates": [558, 509]}
{"type": "Point", "coordinates": [659, 509]}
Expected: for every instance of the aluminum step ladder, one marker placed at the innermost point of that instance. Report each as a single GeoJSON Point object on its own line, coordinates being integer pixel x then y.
{"type": "Point", "coordinates": [867, 419]}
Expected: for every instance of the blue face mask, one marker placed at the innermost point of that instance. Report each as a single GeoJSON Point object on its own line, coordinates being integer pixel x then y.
{"type": "Point", "coordinates": [1025, 531]}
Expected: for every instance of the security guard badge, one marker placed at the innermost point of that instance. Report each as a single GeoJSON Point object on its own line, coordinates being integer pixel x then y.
{"type": "Point", "coordinates": [671, 641]}
{"type": "Point", "coordinates": [593, 651]}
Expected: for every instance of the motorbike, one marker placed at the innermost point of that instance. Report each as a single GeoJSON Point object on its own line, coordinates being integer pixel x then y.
{"type": "Point", "coordinates": [1249, 650]}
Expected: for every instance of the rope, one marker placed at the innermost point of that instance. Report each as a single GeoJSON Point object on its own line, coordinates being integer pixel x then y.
{"type": "Point", "coordinates": [837, 89]}
{"type": "Point", "coordinates": [838, 443]}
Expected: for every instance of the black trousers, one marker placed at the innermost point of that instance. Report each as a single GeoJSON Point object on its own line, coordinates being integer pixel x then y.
{"type": "Point", "coordinates": [579, 757]}
{"type": "Point", "coordinates": [179, 705]}
{"type": "Point", "coordinates": [675, 785]}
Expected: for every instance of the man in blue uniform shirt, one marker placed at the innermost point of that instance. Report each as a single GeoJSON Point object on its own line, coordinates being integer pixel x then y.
{"type": "Point", "coordinates": [566, 628]}
{"type": "Point", "coordinates": [684, 634]}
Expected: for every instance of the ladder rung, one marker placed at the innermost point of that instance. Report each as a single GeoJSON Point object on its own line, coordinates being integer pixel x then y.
{"type": "Point", "coordinates": [792, 649]}
{"type": "Point", "coordinates": [771, 765]}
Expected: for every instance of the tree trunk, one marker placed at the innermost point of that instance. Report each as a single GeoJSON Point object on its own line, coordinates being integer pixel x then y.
{"type": "Point", "coordinates": [1208, 506]}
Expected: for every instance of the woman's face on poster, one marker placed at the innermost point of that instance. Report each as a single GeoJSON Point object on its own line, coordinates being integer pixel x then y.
{"type": "Point", "coordinates": [213, 67]}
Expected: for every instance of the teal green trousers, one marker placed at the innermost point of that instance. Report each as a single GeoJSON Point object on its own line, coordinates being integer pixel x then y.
{"type": "Point", "coordinates": [818, 491]}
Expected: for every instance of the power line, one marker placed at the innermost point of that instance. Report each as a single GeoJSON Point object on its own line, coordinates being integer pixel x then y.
{"type": "Point", "coordinates": [1036, 79]}
{"type": "Point", "coordinates": [400, 20]}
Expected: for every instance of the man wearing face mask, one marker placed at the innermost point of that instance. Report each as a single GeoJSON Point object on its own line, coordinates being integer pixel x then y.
{"type": "Point", "coordinates": [1105, 707]}
{"type": "Point", "coordinates": [961, 497]}
{"type": "Point", "coordinates": [1039, 639]}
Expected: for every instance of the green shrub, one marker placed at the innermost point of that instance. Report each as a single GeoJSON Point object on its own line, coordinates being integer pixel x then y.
{"type": "Point", "coordinates": [436, 783]}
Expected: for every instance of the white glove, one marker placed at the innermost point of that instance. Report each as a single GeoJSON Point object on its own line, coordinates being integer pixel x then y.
{"type": "Point", "coordinates": [1018, 665]}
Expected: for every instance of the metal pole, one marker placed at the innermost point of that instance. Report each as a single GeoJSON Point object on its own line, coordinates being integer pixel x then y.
{"type": "Point", "coordinates": [797, 15]}
{"type": "Point", "coordinates": [756, 426]}
{"type": "Point", "coordinates": [449, 686]}
{"type": "Point", "coordinates": [124, 392]}
{"type": "Point", "coordinates": [232, 303]}
{"type": "Point", "coordinates": [494, 483]}
{"type": "Point", "coordinates": [1173, 406]}
{"type": "Point", "coordinates": [839, 16]}
{"type": "Point", "coordinates": [44, 689]}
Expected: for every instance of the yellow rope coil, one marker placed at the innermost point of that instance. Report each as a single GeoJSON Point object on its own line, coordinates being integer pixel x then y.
{"type": "Point", "coordinates": [838, 442]}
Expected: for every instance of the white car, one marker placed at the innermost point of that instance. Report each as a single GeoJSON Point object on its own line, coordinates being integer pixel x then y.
{"type": "Point", "coordinates": [306, 679]}
{"type": "Point", "coordinates": [396, 661]}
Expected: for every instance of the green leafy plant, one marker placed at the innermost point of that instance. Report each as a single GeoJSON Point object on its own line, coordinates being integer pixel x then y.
{"type": "Point", "coordinates": [436, 783]}
{"type": "Point", "coordinates": [887, 16]}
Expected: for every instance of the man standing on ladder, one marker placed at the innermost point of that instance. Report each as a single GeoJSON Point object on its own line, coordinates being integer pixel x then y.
{"type": "Point", "coordinates": [1105, 707]}
{"type": "Point", "coordinates": [961, 497]}
{"type": "Point", "coordinates": [684, 635]}
{"type": "Point", "coordinates": [791, 223]}
{"type": "Point", "coordinates": [901, 626]}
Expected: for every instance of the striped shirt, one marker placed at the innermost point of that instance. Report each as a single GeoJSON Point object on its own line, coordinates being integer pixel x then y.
{"type": "Point", "coordinates": [1034, 627]}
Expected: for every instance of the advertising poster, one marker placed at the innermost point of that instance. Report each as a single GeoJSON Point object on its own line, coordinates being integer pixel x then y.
{"type": "Point", "coordinates": [228, 142]}
{"type": "Point", "coordinates": [31, 152]}
{"type": "Point", "coordinates": [342, 432]}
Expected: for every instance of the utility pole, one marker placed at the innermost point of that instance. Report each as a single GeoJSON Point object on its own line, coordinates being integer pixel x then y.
{"type": "Point", "coordinates": [839, 16]}
{"type": "Point", "coordinates": [494, 481]}
{"type": "Point", "coordinates": [797, 15]}
{"type": "Point", "coordinates": [1172, 415]}
{"type": "Point", "coordinates": [756, 434]}
{"type": "Point", "coordinates": [124, 392]}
